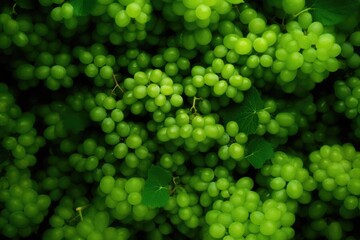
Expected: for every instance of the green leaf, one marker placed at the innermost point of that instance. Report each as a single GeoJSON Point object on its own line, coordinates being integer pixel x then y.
{"type": "Point", "coordinates": [161, 175]}
{"type": "Point", "coordinates": [83, 7]}
{"type": "Point", "coordinates": [259, 151]}
{"type": "Point", "coordinates": [154, 195]}
{"type": "Point", "coordinates": [331, 12]}
{"type": "Point", "coordinates": [156, 188]}
{"type": "Point", "coordinates": [245, 114]}
{"type": "Point", "coordinates": [74, 121]}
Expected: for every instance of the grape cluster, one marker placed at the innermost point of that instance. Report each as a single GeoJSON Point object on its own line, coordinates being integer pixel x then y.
{"type": "Point", "coordinates": [123, 198]}
{"type": "Point", "coordinates": [184, 211]}
{"type": "Point", "coordinates": [122, 21]}
{"type": "Point", "coordinates": [320, 124]}
{"type": "Point", "coordinates": [154, 91]}
{"type": "Point", "coordinates": [347, 93]}
{"type": "Point", "coordinates": [335, 169]}
{"type": "Point", "coordinates": [192, 119]}
{"type": "Point", "coordinates": [244, 215]}
{"type": "Point", "coordinates": [56, 179]}
{"type": "Point", "coordinates": [98, 64]}
{"type": "Point", "coordinates": [87, 158]}
{"type": "Point", "coordinates": [20, 139]}
{"type": "Point", "coordinates": [221, 79]}
{"type": "Point", "coordinates": [212, 184]}
{"type": "Point", "coordinates": [322, 222]}
{"type": "Point", "coordinates": [196, 19]}
{"type": "Point", "coordinates": [134, 60]}
{"type": "Point", "coordinates": [296, 59]}
{"type": "Point", "coordinates": [287, 178]}
{"type": "Point", "coordinates": [282, 119]}
{"type": "Point", "coordinates": [314, 54]}
{"type": "Point", "coordinates": [349, 50]}
{"type": "Point", "coordinates": [192, 132]}
{"type": "Point", "coordinates": [55, 70]}
{"type": "Point", "coordinates": [76, 218]}
{"type": "Point", "coordinates": [57, 117]}
{"type": "Point", "coordinates": [278, 120]}
{"type": "Point", "coordinates": [313, 121]}
{"type": "Point", "coordinates": [14, 31]}
{"type": "Point", "coordinates": [63, 13]}
{"type": "Point", "coordinates": [23, 209]}
{"type": "Point", "coordinates": [124, 140]}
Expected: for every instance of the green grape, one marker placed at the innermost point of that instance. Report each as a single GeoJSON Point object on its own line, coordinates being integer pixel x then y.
{"type": "Point", "coordinates": [133, 10]}
{"type": "Point", "coordinates": [292, 7]}
{"type": "Point", "coordinates": [203, 36]}
{"type": "Point", "coordinates": [353, 185]}
{"type": "Point", "coordinates": [260, 45]}
{"type": "Point", "coordinates": [268, 228]}
{"type": "Point", "coordinates": [334, 231]}
{"type": "Point", "coordinates": [236, 151]}
{"type": "Point", "coordinates": [257, 25]}
{"type": "Point", "coordinates": [243, 46]}
{"type": "Point", "coordinates": [294, 189]}
{"type": "Point", "coordinates": [148, 87]}
{"type": "Point", "coordinates": [11, 27]}
{"type": "Point", "coordinates": [183, 199]}
{"type": "Point", "coordinates": [285, 119]}
{"type": "Point", "coordinates": [108, 125]}
{"type": "Point", "coordinates": [106, 72]}
{"type": "Point", "coordinates": [67, 10]}
{"type": "Point", "coordinates": [99, 61]}
{"type": "Point", "coordinates": [294, 61]}
{"type": "Point", "coordinates": [277, 183]}
{"type": "Point", "coordinates": [98, 114]}
{"type": "Point", "coordinates": [217, 230]}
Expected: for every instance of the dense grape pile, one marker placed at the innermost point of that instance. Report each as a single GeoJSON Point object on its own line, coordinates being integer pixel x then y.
{"type": "Point", "coordinates": [179, 119]}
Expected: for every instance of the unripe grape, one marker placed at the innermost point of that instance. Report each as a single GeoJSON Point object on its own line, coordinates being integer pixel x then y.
{"type": "Point", "coordinates": [294, 189]}
{"type": "Point", "coordinates": [292, 6]}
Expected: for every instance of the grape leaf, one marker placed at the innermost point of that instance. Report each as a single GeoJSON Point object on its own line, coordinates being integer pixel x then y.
{"type": "Point", "coordinates": [331, 12]}
{"type": "Point", "coordinates": [83, 7]}
{"type": "Point", "coordinates": [74, 121]}
{"type": "Point", "coordinates": [259, 151]}
{"type": "Point", "coordinates": [156, 188]}
{"type": "Point", "coordinates": [245, 114]}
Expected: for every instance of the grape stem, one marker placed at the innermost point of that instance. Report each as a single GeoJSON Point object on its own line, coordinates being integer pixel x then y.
{"type": "Point", "coordinates": [237, 8]}
{"type": "Point", "coordinates": [193, 107]}
{"type": "Point", "coordinates": [79, 209]}
{"type": "Point", "coordinates": [13, 9]}
{"type": "Point", "coordinates": [176, 185]}
{"type": "Point", "coordinates": [116, 86]}
{"type": "Point", "coordinates": [302, 11]}
{"type": "Point", "coordinates": [265, 109]}
{"type": "Point", "coordinates": [176, 181]}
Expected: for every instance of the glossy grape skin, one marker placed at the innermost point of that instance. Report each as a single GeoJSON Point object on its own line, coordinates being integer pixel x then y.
{"type": "Point", "coordinates": [103, 97]}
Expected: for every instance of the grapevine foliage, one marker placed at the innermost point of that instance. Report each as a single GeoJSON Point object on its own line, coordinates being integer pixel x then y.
{"type": "Point", "coordinates": [245, 114]}
{"type": "Point", "coordinates": [259, 151]}
{"type": "Point", "coordinates": [331, 12]}
{"type": "Point", "coordinates": [156, 189]}
{"type": "Point", "coordinates": [179, 119]}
